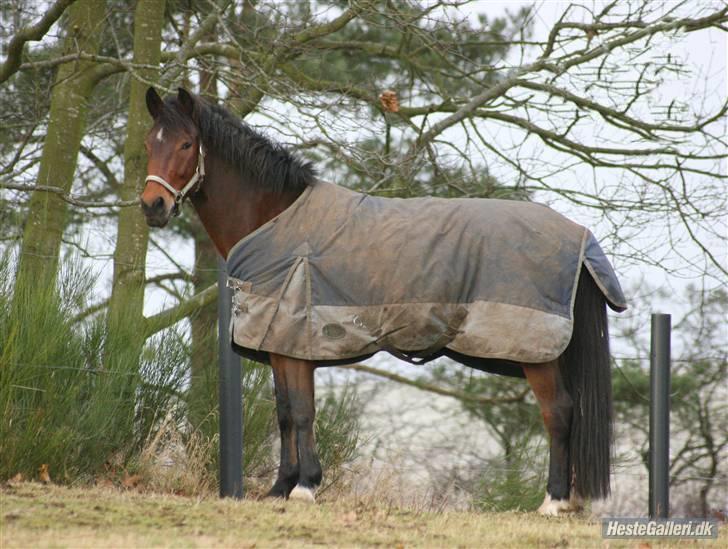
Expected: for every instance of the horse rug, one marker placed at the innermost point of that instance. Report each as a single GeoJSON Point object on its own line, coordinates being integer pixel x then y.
{"type": "Point", "coordinates": [340, 275]}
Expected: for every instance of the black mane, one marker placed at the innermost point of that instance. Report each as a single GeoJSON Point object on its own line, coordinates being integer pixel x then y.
{"type": "Point", "coordinates": [257, 158]}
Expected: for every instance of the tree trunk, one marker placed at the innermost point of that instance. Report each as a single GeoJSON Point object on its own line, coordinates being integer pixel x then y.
{"type": "Point", "coordinates": [125, 320]}
{"type": "Point", "coordinates": [202, 397]}
{"type": "Point", "coordinates": [41, 243]}
{"type": "Point", "coordinates": [203, 373]}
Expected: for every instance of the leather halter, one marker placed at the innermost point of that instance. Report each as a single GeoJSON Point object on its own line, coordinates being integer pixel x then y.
{"type": "Point", "coordinates": [192, 185]}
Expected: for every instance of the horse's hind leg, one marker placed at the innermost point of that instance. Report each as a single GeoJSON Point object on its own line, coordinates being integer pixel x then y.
{"type": "Point", "coordinates": [556, 408]}
{"type": "Point", "coordinates": [300, 471]}
{"type": "Point", "coordinates": [301, 393]}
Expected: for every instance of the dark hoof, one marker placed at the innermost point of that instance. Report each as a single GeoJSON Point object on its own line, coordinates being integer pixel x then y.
{"type": "Point", "coordinates": [279, 492]}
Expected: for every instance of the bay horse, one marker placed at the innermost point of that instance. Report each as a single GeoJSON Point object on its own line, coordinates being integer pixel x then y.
{"type": "Point", "coordinates": [237, 180]}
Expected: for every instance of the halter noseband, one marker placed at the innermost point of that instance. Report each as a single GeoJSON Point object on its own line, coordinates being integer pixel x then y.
{"type": "Point", "coordinates": [195, 181]}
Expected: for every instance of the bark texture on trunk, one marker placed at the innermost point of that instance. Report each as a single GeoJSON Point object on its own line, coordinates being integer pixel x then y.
{"type": "Point", "coordinates": [125, 319]}
{"type": "Point", "coordinates": [47, 212]}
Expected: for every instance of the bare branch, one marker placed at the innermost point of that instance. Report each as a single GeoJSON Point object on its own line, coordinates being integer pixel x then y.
{"type": "Point", "coordinates": [171, 316]}
{"type": "Point", "coordinates": [28, 34]}
{"type": "Point", "coordinates": [63, 195]}
{"type": "Point", "coordinates": [425, 386]}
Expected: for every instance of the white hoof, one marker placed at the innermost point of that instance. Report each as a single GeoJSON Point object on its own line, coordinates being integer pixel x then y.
{"type": "Point", "coordinates": [301, 493]}
{"type": "Point", "coordinates": [555, 507]}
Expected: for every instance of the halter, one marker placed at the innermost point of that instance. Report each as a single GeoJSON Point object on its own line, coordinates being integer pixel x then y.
{"type": "Point", "coordinates": [192, 185]}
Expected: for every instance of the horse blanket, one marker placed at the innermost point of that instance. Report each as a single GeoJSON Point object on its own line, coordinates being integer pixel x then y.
{"type": "Point", "coordinates": [340, 275]}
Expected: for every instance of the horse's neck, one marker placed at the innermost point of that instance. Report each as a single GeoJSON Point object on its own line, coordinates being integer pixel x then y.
{"type": "Point", "coordinates": [231, 208]}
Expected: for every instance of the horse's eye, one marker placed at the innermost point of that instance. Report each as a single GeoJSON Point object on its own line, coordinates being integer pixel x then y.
{"type": "Point", "coordinates": [186, 145]}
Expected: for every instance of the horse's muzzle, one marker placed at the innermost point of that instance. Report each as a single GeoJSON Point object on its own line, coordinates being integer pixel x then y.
{"type": "Point", "coordinates": [156, 213]}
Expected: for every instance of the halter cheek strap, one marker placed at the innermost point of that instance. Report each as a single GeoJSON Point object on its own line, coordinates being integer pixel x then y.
{"type": "Point", "coordinates": [192, 185]}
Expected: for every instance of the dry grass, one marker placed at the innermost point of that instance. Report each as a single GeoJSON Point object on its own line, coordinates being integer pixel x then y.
{"type": "Point", "coordinates": [172, 463]}
{"type": "Point", "coordinates": [51, 516]}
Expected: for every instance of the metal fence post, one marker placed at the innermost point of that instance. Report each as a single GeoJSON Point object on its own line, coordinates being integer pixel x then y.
{"type": "Point", "coordinates": [230, 395]}
{"type": "Point", "coordinates": [660, 417]}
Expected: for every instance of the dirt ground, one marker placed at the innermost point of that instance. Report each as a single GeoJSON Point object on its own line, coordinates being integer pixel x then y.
{"type": "Point", "coordinates": [37, 515]}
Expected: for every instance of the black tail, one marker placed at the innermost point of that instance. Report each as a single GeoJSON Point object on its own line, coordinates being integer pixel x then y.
{"type": "Point", "coordinates": [586, 370]}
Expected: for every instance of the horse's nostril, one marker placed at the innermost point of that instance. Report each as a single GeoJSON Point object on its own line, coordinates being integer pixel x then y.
{"type": "Point", "coordinates": [155, 212]}
{"type": "Point", "coordinates": [156, 207]}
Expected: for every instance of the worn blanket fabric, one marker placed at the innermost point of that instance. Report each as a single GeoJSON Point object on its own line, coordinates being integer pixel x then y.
{"type": "Point", "coordinates": [341, 275]}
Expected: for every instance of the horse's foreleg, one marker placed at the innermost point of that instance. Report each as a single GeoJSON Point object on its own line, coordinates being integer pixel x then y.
{"type": "Point", "coordinates": [299, 382]}
{"type": "Point", "coordinates": [288, 470]}
{"type": "Point", "coordinates": [556, 408]}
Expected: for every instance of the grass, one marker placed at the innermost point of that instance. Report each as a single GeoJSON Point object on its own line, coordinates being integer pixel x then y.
{"type": "Point", "coordinates": [39, 515]}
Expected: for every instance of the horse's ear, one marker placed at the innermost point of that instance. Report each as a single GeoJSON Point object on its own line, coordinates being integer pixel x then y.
{"type": "Point", "coordinates": [186, 101]}
{"type": "Point", "coordinates": [154, 102]}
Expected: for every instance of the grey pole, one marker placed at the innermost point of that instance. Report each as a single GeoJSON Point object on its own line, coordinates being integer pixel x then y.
{"type": "Point", "coordinates": [660, 417]}
{"type": "Point", "coordinates": [230, 395]}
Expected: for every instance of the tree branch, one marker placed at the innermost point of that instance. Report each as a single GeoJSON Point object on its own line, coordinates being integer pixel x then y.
{"type": "Point", "coordinates": [187, 48]}
{"type": "Point", "coordinates": [28, 34]}
{"type": "Point", "coordinates": [256, 90]}
{"type": "Point", "coordinates": [171, 316]}
{"type": "Point", "coordinates": [434, 388]}
{"type": "Point", "coordinates": [332, 26]}
{"type": "Point", "coordinates": [557, 67]}
{"type": "Point", "coordinates": [63, 195]}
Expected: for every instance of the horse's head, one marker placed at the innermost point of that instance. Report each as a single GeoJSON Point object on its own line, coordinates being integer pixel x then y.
{"type": "Point", "coordinates": [175, 164]}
